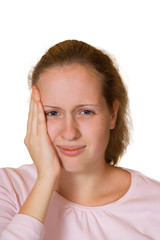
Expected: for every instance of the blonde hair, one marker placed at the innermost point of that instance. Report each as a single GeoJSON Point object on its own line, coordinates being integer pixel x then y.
{"type": "Point", "coordinates": [74, 51]}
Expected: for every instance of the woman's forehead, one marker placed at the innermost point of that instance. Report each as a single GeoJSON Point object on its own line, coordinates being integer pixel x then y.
{"type": "Point", "coordinates": [74, 69]}
{"type": "Point", "coordinates": [73, 80]}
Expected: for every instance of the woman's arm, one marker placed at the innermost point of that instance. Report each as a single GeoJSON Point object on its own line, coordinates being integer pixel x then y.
{"type": "Point", "coordinates": [13, 225]}
{"type": "Point", "coordinates": [45, 158]}
{"type": "Point", "coordinates": [48, 167]}
{"type": "Point", "coordinates": [37, 203]}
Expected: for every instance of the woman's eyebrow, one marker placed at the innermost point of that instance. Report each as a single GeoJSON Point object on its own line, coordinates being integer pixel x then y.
{"type": "Point", "coordinates": [81, 105]}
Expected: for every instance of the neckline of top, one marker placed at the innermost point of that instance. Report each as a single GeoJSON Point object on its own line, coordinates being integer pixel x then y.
{"type": "Point", "coordinates": [107, 206]}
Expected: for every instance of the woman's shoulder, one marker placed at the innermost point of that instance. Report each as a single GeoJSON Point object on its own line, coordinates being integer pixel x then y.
{"type": "Point", "coordinates": [145, 186]}
{"type": "Point", "coordinates": [143, 178]}
{"type": "Point", "coordinates": [18, 180]}
{"type": "Point", "coordinates": [22, 172]}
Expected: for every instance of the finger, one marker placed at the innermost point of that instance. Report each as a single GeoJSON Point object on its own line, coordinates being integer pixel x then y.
{"type": "Point", "coordinates": [42, 127]}
{"type": "Point", "coordinates": [30, 115]}
{"type": "Point", "coordinates": [36, 93]}
{"type": "Point", "coordinates": [34, 124]}
{"type": "Point", "coordinates": [32, 118]}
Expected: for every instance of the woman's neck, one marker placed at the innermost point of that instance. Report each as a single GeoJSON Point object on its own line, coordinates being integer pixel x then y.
{"type": "Point", "coordinates": [86, 188]}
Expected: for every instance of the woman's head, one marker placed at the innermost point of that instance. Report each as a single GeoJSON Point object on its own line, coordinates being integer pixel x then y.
{"type": "Point", "coordinates": [71, 52]}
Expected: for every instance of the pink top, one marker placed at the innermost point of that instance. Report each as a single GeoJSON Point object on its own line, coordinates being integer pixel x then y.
{"type": "Point", "coordinates": [136, 216]}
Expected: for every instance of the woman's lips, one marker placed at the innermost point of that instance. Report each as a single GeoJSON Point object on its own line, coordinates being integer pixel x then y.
{"type": "Point", "coordinates": [71, 150]}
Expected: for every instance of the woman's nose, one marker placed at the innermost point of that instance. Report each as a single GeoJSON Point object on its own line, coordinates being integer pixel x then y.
{"type": "Point", "coordinates": [70, 130]}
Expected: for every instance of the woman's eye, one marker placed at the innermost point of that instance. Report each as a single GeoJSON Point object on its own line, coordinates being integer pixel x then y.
{"type": "Point", "coordinates": [53, 113]}
{"type": "Point", "coordinates": [88, 112]}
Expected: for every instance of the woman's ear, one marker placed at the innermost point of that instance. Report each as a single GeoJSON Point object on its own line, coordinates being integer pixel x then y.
{"type": "Point", "coordinates": [114, 114]}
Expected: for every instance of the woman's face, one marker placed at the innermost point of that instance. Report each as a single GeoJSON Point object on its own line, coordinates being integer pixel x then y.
{"type": "Point", "coordinates": [77, 115]}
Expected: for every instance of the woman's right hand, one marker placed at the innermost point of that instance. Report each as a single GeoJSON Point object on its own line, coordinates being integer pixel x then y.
{"type": "Point", "coordinates": [38, 141]}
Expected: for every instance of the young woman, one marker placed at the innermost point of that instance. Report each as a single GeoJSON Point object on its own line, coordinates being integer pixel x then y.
{"type": "Point", "coordinates": [78, 129]}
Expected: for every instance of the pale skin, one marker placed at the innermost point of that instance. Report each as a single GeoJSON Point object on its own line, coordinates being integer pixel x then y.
{"type": "Point", "coordinates": [55, 118]}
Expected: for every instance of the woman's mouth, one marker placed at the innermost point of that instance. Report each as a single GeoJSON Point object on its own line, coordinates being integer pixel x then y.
{"type": "Point", "coordinates": [71, 150]}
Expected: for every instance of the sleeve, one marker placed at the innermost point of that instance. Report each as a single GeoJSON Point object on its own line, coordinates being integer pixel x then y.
{"type": "Point", "coordinates": [14, 226]}
{"type": "Point", "coordinates": [23, 227]}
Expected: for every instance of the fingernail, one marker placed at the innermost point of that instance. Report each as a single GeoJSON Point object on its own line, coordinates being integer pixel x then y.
{"type": "Point", "coordinates": [34, 89]}
{"type": "Point", "coordinates": [38, 104]}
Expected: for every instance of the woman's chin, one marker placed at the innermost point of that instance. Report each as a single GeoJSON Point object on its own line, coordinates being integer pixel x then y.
{"type": "Point", "coordinates": [72, 165]}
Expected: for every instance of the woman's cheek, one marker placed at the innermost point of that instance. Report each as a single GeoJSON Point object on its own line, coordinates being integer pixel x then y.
{"type": "Point", "coordinates": [102, 130]}
{"type": "Point", "coordinates": [53, 129]}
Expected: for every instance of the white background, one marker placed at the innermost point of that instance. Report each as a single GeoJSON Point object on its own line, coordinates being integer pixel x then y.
{"type": "Point", "coordinates": [129, 30]}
